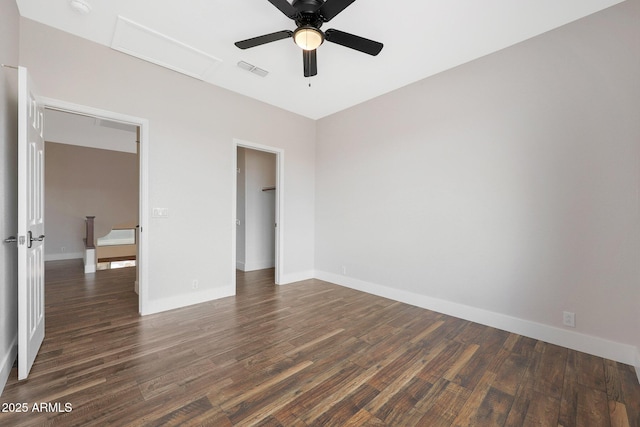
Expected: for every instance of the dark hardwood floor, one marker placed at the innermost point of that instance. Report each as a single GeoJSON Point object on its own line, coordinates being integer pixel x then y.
{"type": "Point", "coordinates": [305, 354]}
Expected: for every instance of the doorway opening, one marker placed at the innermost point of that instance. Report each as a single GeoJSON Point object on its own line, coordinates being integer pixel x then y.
{"type": "Point", "coordinates": [257, 208]}
{"type": "Point", "coordinates": [123, 211]}
{"type": "Point", "coordinates": [91, 190]}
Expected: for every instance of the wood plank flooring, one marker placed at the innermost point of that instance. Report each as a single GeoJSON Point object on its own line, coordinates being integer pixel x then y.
{"type": "Point", "coordinates": [305, 354]}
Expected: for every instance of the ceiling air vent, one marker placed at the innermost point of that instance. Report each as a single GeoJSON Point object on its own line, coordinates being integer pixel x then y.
{"type": "Point", "coordinates": [252, 68]}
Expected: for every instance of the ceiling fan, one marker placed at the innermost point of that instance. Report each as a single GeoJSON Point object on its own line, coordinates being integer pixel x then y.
{"type": "Point", "coordinates": [309, 15]}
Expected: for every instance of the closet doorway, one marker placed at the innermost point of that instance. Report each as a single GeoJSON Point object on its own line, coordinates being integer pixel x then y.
{"type": "Point", "coordinates": [257, 208]}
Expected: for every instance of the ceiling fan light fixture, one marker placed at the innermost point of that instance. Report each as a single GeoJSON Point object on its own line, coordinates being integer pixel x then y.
{"type": "Point", "coordinates": [308, 37]}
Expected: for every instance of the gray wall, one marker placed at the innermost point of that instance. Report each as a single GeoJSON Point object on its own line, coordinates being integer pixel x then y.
{"type": "Point", "coordinates": [507, 185]}
{"type": "Point", "coordinates": [81, 181]}
{"type": "Point", "coordinates": [9, 19]}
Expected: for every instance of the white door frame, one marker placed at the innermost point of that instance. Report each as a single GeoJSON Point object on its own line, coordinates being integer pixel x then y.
{"type": "Point", "coordinates": [142, 264]}
{"type": "Point", "coordinates": [279, 250]}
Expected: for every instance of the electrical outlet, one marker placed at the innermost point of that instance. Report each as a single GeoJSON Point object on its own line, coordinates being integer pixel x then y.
{"type": "Point", "coordinates": [344, 269]}
{"type": "Point", "coordinates": [194, 284]}
{"type": "Point", "coordinates": [569, 319]}
{"type": "Point", "coordinates": [63, 249]}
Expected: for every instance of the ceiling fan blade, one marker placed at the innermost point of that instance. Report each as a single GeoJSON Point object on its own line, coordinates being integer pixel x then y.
{"type": "Point", "coordinates": [310, 61]}
{"type": "Point", "coordinates": [354, 42]}
{"type": "Point", "coordinates": [267, 38]}
{"type": "Point", "coordinates": [331, 8]}
{"type": "Point", "coordinates": [285, 7]}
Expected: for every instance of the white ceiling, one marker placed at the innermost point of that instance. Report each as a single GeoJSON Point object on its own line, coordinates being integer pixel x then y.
{"type": "Point", "coordinates": [85, 131]}
{"type": "Point", "coordinates": [421, 38]}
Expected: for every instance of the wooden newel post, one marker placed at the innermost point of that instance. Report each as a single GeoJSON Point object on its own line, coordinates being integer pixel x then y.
{"type": "Point", "coordinates": [89, 239]}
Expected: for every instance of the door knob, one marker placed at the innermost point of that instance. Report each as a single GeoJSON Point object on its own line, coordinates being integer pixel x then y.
{"type": "Point", "coordinates": [34, 239]}
{"type": "Point", "coordinates": [11, 239]}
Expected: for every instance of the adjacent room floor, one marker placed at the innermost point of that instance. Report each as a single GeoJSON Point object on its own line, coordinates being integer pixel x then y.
{"type": "Point", "coordinates": [310, 353]}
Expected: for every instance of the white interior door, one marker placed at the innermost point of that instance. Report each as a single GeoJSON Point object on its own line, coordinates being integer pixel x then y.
{"type": "Point", "coordinates": [30, 224]}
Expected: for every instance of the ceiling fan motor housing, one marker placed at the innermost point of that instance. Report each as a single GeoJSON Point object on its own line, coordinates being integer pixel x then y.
{"type": "Point", "coordinates": [308, 15]}
{"type": "Point", "coordinates": [307, 6]}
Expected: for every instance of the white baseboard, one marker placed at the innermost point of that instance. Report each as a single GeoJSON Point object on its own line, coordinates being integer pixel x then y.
{"type": "Point", "coordinates": [258, 265]}
{"type": "Point", "coordinates": [63, 256]}
{"type": "Point", "coordinates": [184, 300]}
{"type": "Point", "coordinates": [240, 266]}
{"type": "Point", "coordinates": [596, 346]}
{"type": "Point", "coordinates": [7, 363]}
{"type": "Point", "coordinates": [285, 279]}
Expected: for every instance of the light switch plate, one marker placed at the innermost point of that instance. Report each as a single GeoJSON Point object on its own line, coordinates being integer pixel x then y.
{"type": "Point", "coordinates": [160, 213]}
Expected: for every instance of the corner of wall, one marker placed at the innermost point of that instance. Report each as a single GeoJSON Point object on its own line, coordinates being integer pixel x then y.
{"type": "Point", "coordinates": [286, 279]}
{"type": "Point", "coordinates": [7, 363]}
{"type": "Point", "coordinates": [638, 364]}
